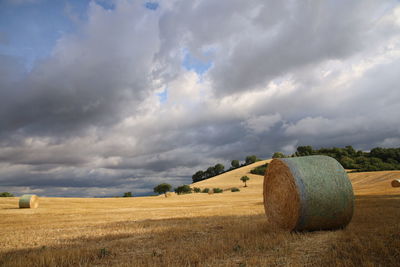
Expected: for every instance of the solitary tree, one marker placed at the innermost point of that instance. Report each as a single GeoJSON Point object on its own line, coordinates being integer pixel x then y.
{"type": "Point", "coordinates": [244, 179]}
{"type": "Point", "coordinates": [235, 163]}
{"type": "Point", "coordinates": [278, 155]}
{"type": "Point", "coordinates": [162, 189]}
{"type": "Point", "coordinates": [128, 194]}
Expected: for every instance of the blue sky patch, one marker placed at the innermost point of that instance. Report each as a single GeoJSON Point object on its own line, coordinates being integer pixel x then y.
{"type": "Point", "coordinates": [30, 30]}
{"type": "Point", "coordinates": [151, 5]}
{"type": "Point", "coordinates": [195, 64]}
{"type": "Point", "coordinates": [108, 5]}
{"type": "Point", "coordinates": [163, 96]}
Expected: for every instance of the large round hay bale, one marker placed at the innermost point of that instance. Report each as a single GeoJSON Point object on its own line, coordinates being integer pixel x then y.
{"type": "Point", "coordinates": [396, 183]}
{"type": "Point", "coordinates": [29, 201]}
{"type": "Point", "coordinates": [307, 193]}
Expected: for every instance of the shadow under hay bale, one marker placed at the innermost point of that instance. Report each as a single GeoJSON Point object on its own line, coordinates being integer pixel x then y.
{"type": "Point", "coordinates": [396, 183]}
{"type": "Point", "coordinates": [307, 193]}
{"type": "Point", "coordinates": [29, 201]}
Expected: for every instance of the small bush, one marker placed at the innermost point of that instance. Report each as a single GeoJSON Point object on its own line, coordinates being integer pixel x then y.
{"type": "Point", "coordinates": [196, 189]}
{"type": "Point", "coordinates": [217, 190]}
{"type": "Point", "coordinates": [183, 189]}
{"type": "Point", "coordinates": [206, 190]}
{"type": "Point", "coordinates": [235, 189]}
{"type": "Point", "coordinates": [260, 170]}
{"type": "Point", "coordinates": [128, 194]}
{"type": "Point", "coordinates": [6, 194]}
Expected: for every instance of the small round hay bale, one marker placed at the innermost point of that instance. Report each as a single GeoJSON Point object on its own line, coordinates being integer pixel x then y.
{"type": "Point", "coordinates": [29, 201]}
{"type": "Point", "coordinates": [307, 193]}
{"type": "Point", "coordinates": [169, 194]}
{"type": "Point", "coordinates": [396, 183]}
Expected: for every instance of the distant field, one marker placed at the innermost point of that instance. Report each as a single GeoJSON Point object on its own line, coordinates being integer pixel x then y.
{"type": "Point", "coordinates": [227, 229]}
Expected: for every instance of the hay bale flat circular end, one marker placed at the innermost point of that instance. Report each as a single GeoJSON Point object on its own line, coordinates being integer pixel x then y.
{"type": "Point", "coordinates": [396, 183]}
{"type": "Point", "coordinates": [29, 201]}
{"type": "Point", "coordinates": [308, 193]}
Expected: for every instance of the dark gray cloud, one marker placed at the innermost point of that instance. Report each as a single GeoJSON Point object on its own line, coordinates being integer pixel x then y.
{"type": "Point", "coordinates": [90, 78]}
{"type": "Point", "coordinates": [87, 121]}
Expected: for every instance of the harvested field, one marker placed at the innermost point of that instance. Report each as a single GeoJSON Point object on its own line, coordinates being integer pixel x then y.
{"type": "Point", "coordinates": [374, 183]}
{"type": "Point", "coordinates": [227, 229]}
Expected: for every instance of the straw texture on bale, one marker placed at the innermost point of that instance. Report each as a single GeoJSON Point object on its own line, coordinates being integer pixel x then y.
{"type": "Point", "coordinates": [396, 183]}
{"type": "Point", "coordinates": [307, 193]}
{"type": "Point", "coordinates": [29, 201]}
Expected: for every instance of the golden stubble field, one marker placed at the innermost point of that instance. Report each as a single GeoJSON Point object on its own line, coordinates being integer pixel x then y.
{"type": "Point", "coordinates": [228, 229]}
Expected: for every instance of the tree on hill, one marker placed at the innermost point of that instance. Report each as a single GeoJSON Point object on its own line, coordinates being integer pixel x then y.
{"type": "Point", "coordinates": [244, 179]}
{"type": "Point", "coordinates": [198, 176]}
{"type": "Point", "coordinates": [128, 194]}
{"type": "Point", "coordinates": [162, 188]}
{"type": "Point", "coordinates": [251, 159]}
{"type": "Point", "coordinates": [219, 168]}
{"type": "Point", "coordinates": [260, 170]}
{"type": "Point", "coordinates": [183, 189]}
{"type": "Point", "coordinates": [305, 150]}
{"type": "Point", "coordinates": [278, 155]}
{"type": "Point", "coordinates": [210, 172]}
{"type": "Point", "coordinates": [235, 164]}
{"type": "Point", "coordinates": [350, 150]}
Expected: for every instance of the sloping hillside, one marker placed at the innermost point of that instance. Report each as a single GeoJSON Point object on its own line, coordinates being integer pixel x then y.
{"type": "Point", "coordinates": [364, 183]}
{"type": "Point", "coordinates": [232, 179]}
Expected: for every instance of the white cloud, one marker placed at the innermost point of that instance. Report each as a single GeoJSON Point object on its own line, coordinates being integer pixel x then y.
{"type": "Point", "coordinates": [263, 123]}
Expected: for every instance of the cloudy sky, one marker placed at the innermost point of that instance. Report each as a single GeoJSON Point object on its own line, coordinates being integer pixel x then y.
{"type": "Point", "coordinates": [102, 97]}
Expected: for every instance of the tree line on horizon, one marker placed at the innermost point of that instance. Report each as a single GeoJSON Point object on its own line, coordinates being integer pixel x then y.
{"type": "Point", "coordinates": [378, 159]}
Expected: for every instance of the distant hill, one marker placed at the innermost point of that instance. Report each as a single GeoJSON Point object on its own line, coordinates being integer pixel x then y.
{"type": "Point", "coordinates": [364, 183]}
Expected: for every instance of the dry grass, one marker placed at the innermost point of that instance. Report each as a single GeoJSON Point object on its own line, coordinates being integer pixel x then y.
{"type": "Point", "coordinates": [226, 229]}
{"type": "Point", "coordinates": [232, 179]}
{"type": "Point", "coordinates": [374, 183]}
